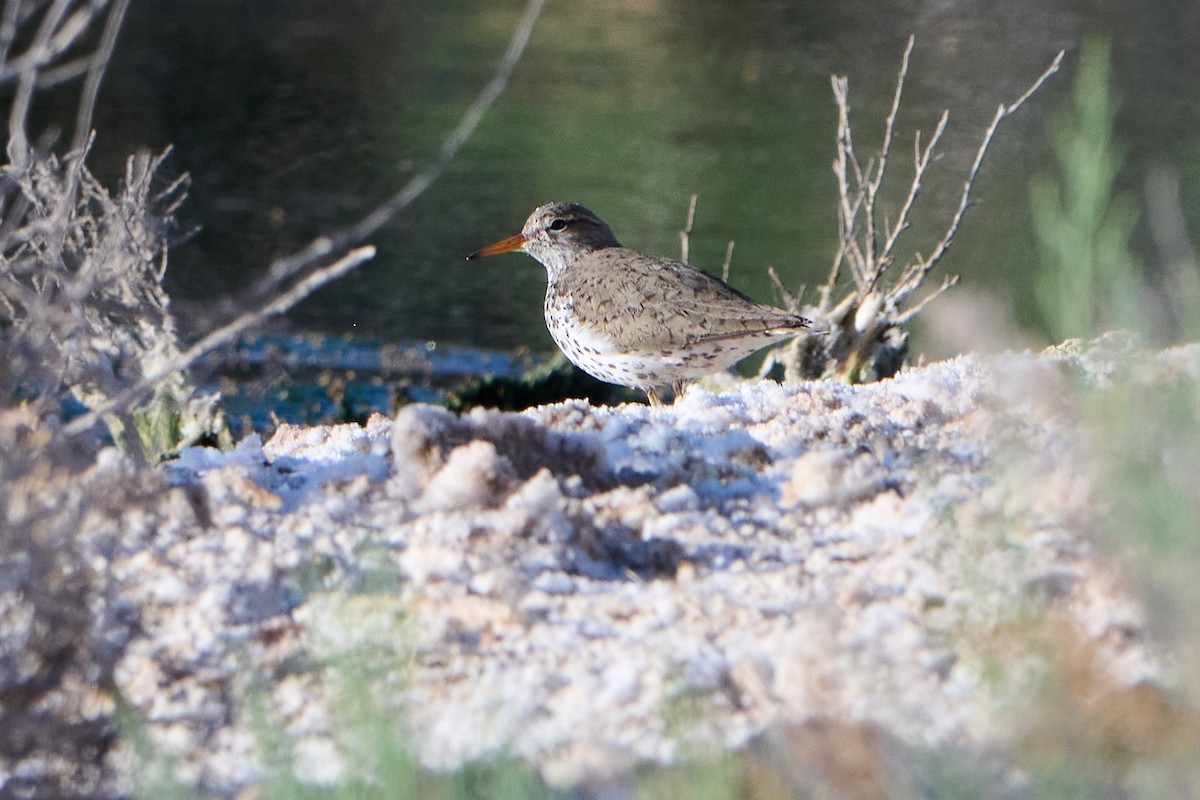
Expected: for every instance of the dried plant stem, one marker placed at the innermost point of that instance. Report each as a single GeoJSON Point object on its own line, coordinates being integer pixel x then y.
{"type": "Point", "coordinates": [223, 335]}
{"type": "Point", "coordinates": [921, 159]}
{"type": "Point", "coordinates": [685, 235]}
{"type": "Point", "coordinates": [878, 168]}
{"type": "Point", "coordinates": [916, 272]}
{"type": "Point", "coordinates": [848, 203]}
{"type": "Point", "coordinates": [25, 69]}
{"type": "Point", "coordinates": [890, 124]}
{"type": "Point", "coordinates": [728, 262]}
{"type": "Point", "coordinates": [96, 65]}
{"type": "Point", "coordinates": [791, 301]}
{"type": "Point", "coordinates": [322, 247]}
{"type": "Point", "coordinates": [8, 28]}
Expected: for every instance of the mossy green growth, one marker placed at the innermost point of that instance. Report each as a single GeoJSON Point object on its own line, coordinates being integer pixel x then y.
{"type": "Point", "coordinates": [159, 425]}
{"type": "Point", "coordinates": [176, 417]}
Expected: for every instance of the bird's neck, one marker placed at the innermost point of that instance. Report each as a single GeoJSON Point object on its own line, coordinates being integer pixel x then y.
{"type": "Point", "coordinates": [559, 260]}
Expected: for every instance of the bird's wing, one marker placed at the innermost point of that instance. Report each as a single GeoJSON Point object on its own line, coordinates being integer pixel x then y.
{"type": "Point", "coordinates": [644, 302]}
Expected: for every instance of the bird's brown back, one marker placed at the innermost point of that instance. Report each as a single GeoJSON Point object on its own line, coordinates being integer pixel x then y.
{"type": "Point", "coordinates": [642, 302]}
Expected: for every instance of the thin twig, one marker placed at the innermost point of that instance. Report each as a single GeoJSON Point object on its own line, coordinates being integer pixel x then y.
{"type": "Point", "coordinates": [870, 265]}
{"type": "Point", "coordinates": [59, 230]}
{"type": "Point", "coordinates": [685, 235]}
{"type": "Point", "coordinates": [844, 306]}
{"type": "Point", "coordinates": [45, 46]}
{"type": "Point", "coordinates": [62, 73]}
{"type": "Point", "coordinates": [826, 289]}
{"type": "Point", "coordinates": [71, 29]}
{"type": "Point", "coordinates": [911, 314]}
{"type": "Point", "coordinates": [221, 336]}
{"type": "Point", "coordinates": [877, 261]}
{"type": "Point", "coordinates": [8, 27]}
{"type": "Point", "coordinates": [728, 261]}
{"type": "Point", "coordinates": [890, 124]}
{"type": "Point", "coordinates": [1001, 112]}
{"type": "Point", "coordinates": [95, 72]}
{"type": "Point", "coordinates": [53, 37]}
{"type": "Point", "coordinates": [1050, 70]}
{"type": "Point", "coordinates": [82, 141]}
{"type": "Point", "coordinates": [921, 159]}
{"type": "Point", "coordinates": [789, 299]}
{"type": "Point", "coordinates": [840, 87]}
{"type": "Point", "coordinates": [321, 247]}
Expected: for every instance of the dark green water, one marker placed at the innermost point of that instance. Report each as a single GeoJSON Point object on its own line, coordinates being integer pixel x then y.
{"type": "Point", "coordinates": [295, 117]}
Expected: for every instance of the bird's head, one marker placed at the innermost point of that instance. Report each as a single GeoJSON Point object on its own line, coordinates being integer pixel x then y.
{"type": "Point", "coordinates": [556, 234]}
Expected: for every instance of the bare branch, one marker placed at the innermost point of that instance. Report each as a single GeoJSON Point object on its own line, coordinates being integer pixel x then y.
{"type": "Point", "coordinates": [728, 261]}
{"type": "Point", "coordinates": [1001, 112]}
{"type": "Point", "coordinates": [8, 27]}
{"type": "Point", "coordinates": [53, 36]}
{"type": "Point", "coordinates": [685, 235]}
{"type": "Point", "coordinates": [322, 246]}
{"type": "Point", "coordinates": [826, 289]}
{"type": "Point", "coordinates": [790, 301]}
{"type": "Point", "coordinates": [921, 160]}
{"type": "Point", "coordinates": [226, 333]}
{"type": "Point", "coordinates": [70, 30]}
{"type": "Point", "coordinates": [911, 314]}
{"type": "Point", "coordinates": [1050, 70]}
{"type": "Point", "coordinates": [97, 64]}
{"type": "Point", "coordinates": [63, 73]}
{"type": "Point", "coordinates": [95, 72]}
{"type": "Point", "coordinates": [890, 125]}
{"type": "Point", "coordinates": [868, 271]}
{"type": "Point", "coordinates": [847, 303]}
{"type": "Point", "coordinates": [876, 262]}
{"type": "Point", "coordinates": [846, 213]}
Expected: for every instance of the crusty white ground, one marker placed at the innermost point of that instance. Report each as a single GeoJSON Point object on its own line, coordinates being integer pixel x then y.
{"type": "Point", "coordinates": [588, 588]}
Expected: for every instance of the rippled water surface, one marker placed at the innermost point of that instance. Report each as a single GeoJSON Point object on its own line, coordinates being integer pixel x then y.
{"type": "Point", "coordinates": [295, 117]}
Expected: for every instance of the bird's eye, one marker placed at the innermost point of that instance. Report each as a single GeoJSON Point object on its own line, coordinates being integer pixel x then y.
{"type": "Point", "coordinates": [558, 224]}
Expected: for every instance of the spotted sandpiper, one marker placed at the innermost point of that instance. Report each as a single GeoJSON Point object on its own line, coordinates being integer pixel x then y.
{"type": "Point", "coordinates": [637, 320]}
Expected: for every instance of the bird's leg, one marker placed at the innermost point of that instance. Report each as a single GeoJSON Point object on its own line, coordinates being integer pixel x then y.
{"type": "Point", "coordinates": [678, 388]}
{"type": "Point", "coordinates": [654, 398]}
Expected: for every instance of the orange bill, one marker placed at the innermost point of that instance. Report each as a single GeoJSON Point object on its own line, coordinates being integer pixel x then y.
{"type": "Point", "coordinates": [509, 245]}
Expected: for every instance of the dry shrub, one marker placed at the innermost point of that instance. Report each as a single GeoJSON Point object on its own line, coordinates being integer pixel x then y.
{"type": "Point", "coordinates": [865, 323]}
{"type": "Point", "coordinates": [82, 309]}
